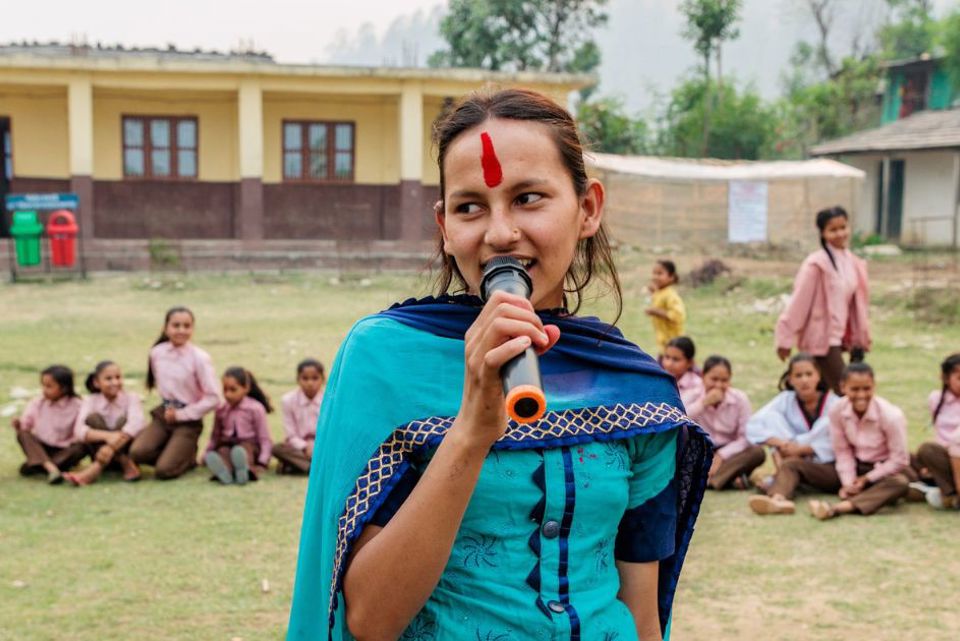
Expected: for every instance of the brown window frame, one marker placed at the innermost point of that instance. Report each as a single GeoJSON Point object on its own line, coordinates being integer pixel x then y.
{"type": "Point", "coordinates": [147, 147]}
{"type": "Point", "coordinates": [331, 151]}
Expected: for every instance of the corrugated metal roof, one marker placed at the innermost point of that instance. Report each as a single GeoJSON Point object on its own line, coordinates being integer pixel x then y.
{"type": "Point", "coordinates": [711, 169]}
{"type": "Point", "coordinates": [923, 130]}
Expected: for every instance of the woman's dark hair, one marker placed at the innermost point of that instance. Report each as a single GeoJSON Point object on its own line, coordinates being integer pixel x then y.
{"type": "Point", "coordinates": [949, 364]}
{"type": "Point", "coordinates": [801, 357]}
{"type": "Point", "coordinates": [62, 376]}
{"type": "Point", "coordinates": [310, 362]}
{"type": "Point", "coordinates": [594, 255]}
{"type": "Point", "coordinates": [685, 345]}
{"type": "Point", "coordinates": [151, 381]}
{"type": "Point", "coordinates": [857, 368]}
{"type": "Point", "coordinates": [246, 378]}
{"type": "Point", "coordinates": [824, 216]}
{"type": "Point", "coordinates": [91, 382]}
{"type": "Point", "coordinates": [714, 361]}
{"type": "Point", "coordinates": [670, 267]}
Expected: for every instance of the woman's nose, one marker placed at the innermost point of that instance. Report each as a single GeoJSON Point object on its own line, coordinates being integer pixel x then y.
{"type": "Point", "coordinates": [502, 230]}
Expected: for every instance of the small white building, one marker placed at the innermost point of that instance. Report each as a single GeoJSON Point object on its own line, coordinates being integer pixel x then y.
{"type": "Point", "coordinates": [912, 188]}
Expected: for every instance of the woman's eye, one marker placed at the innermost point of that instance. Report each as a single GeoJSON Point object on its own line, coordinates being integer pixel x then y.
{"type": "Point", "coordinates": [467, 208]}
{"type": "Point", "coordinates": [528, 199]}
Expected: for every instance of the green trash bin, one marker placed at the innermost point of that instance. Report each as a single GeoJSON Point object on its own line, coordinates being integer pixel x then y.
{"type": "Point", "coordinates": [26, 231]}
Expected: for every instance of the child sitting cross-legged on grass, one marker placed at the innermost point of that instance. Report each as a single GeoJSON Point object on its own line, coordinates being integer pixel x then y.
{"type": "Point", "coordinates": [240, 445]}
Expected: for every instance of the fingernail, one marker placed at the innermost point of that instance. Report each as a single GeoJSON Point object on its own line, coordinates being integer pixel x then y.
{"type": "Point", "coordinates": [525, 342]}
{"type": "Point", "coordinates": [544, 338]}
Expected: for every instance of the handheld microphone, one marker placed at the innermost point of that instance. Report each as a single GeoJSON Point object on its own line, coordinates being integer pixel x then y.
{"type": "Point", "coordinates": [522, 385]}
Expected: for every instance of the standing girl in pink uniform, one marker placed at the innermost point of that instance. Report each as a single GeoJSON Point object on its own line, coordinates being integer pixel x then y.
{"type": "Point", "coordinates": [108, 421]}
{"type": "Point", "coordinates": [183, 375]}
{"type": "Point", "coordinates": [240, 445]}
{"type": "Point", "coordinates": [827, 314]}
{"type": "Point", "coordinates": [724, 411]}
{"type": "Point", "coordinates": [301, 409]}
{"type": "Point", "coordinates": [45, 430]}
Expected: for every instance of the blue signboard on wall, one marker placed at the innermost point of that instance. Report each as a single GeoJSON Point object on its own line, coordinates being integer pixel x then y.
{"type": "Point", "coordinates": [42, 202]}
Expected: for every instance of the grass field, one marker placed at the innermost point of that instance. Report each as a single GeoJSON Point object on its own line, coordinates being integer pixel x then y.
{"type": "Point", "coordinates": [189, 559]}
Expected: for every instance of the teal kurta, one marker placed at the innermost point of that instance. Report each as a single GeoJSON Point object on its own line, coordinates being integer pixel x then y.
{"type": "Point", "coordinates": [614, 470]}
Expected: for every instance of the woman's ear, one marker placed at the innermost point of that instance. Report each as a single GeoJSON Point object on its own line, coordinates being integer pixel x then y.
{"type": "Point", "coordinates": [591, 206]}
{"type": "Point", "coordinates": [441, 219]}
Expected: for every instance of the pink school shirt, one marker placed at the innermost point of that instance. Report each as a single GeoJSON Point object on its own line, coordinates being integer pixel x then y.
{"type": "Point", "coordinates": [300, 417]}
{"type": "Point", "coordinates": [817, 290]}
{"type": "Point", "coordinates": [947, 425]}
{"type": "Point", "coordinates": [726, 423]}
{"type": "Point", "coordinates": [185, 374]}
{"type": "Point", "coordinates": [880, 437]}
{"type": "Point", "coordinates": [245, 421]}
{"type": "Point", "coordinates": [691, 387]}
{"type": "Point", "coordinates": [842, 295]}
{"type": "Point", "coordinates": [51, 422]}
{"type": "Point", "coordinates": [124, 404]}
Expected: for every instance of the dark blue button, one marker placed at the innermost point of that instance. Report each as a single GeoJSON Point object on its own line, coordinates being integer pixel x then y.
{"type": "Point", "coordinates": [551, 529]}
{"type": "Point", "coordinates": [556, 606]}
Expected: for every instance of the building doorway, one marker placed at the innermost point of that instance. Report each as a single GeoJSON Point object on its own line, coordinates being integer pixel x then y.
{"type": "Point", "coordinates": [890, 225]}
{"type": "Point", "coordinates": [6, 171]}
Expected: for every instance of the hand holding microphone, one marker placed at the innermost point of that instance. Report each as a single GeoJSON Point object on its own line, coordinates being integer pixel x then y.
{"type": "Point", "coordinates": [522, 385]}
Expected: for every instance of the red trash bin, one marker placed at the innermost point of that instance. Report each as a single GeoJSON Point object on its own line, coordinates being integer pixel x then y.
{"type": "Point", "coordinates": [62, 231]}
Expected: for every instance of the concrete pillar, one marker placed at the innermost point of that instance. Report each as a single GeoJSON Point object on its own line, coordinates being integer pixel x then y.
{"type": "Point", "coordinates": [955, 217]}
{"type": "Point", "coordinates": [249, 213]}
{"type": "Point", "coordinates": [411, 162]}
{"type": "Point", "coordinates": [80, 128]}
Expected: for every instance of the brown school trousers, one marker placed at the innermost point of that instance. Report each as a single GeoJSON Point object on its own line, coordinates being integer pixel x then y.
{"type": "Point", "coordinates": [741, 463]}
{"type": "Point", "coordinates": [824, 477]}
{"type": "Point", "coordinates": [171, 448]}
{"type": "Point", "coordinates": [831, 367]}
{"type": "Point", "coordinates": [936, 459]}
{"type": "Point", "coordinates": [97, 422]}
{"type": "Point", "coordinates": [252, 449]}
{"type": "Point", "coordinates": [38, 453]}
{"type": "Point", "coordinates": [291, 459]}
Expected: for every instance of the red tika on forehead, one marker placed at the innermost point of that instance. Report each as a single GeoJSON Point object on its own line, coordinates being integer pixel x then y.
{"type": "Point", "coordinates": [492, 172]}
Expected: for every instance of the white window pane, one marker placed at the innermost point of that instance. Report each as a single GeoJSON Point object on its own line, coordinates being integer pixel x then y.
{"type": "Point", "coordinates": [292, 165]}
{"type": "Point", "coordinates": [133, 162]}
{"type": "Point", "coordinates": [343, 165]}
{"type": "Point", "coordinates": [187, 134]}
{"type": "Point", "coordinates": [318, 137]}
{"type": "Point", "coordinates": [291, 137]}
{"type": "Point", "coordinates": [133, 133]}
{"type": "Point", "coordinates": [160, 133]}
{"type": "Point", "coordinates": [318, 165]}
{"type": "Point", "coordinates": [187, 163]}
{"type": "Point", "coordinates": [160, 160]}
{"type": "Point", "coordinates": [344, 137]}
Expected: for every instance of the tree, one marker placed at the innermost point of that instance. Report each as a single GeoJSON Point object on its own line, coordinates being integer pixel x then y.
{"type": "Point", "coordinates": [520, 35]}
{"type": "Point", "coordinates": [606, 127]}
{"type": "Point", "coordinates": [911, 32]}
{"type": "Point", "coordinates": [950, 41]}
{"type": "Point", "coordinates": [742, 126]}
{"type": "Point", "coordinates": [709, 24]}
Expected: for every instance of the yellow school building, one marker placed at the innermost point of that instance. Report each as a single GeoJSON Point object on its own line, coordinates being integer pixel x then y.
{"type": "Point", "coordinates": [167, 144]}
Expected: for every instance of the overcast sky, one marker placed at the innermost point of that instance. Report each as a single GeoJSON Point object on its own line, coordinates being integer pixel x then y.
{"type": "Point", "coordinates": [643, 52]}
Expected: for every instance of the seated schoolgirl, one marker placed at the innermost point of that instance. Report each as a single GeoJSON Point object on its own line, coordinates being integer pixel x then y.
{"type": "Point", "coordinates": [795, 425]}
{"type": "Point", "coordinates": [45, 429]}
{"type": "Point", "coordinates": [301, 408]}
{"type": "Point", "coordinates": [724, 411]}
{"type": "Point", "coordinates": [240, 445]}
{"type": "Point", "coordinates": [678, 361]}
{"type": "Point", "coordinates": [869, 437]}
{"type": "Point", "coordinates": [108, 421]}
{"type": "Point", "coordinates": [938, 461]}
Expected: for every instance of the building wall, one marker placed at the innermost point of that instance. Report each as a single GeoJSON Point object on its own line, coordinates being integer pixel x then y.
{"type": "Point", "coordinates": [929, 194]}
{"type": "Point", "coordinates": [865, 220]}
{"type": "Point", "coordinates": [377, 131]}
{"type": "Point", "coordinates": [38, 127]}
{"type": "Point", "coordinates": [217, 138]}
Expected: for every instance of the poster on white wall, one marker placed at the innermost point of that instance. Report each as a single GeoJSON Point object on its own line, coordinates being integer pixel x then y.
{"type": "Point", "coordinates": [747, 211]}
